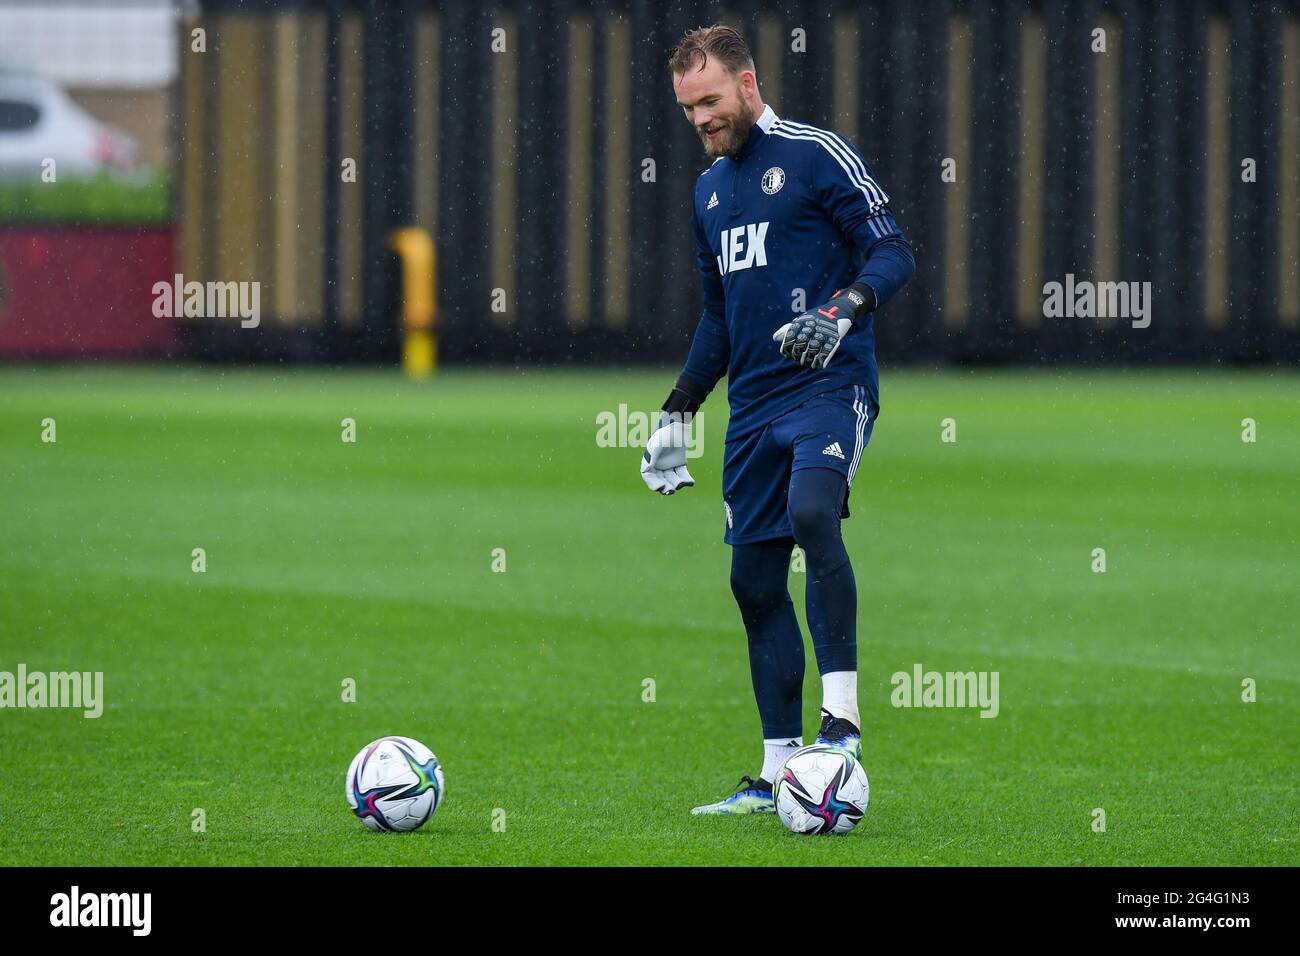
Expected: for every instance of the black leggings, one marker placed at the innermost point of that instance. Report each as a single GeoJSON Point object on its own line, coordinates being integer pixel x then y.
{"type": "Point", "coordinates": [759, 574]}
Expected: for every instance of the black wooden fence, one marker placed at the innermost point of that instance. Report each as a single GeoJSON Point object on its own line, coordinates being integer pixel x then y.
{"type": "Point", "coordinates": [540, 143]}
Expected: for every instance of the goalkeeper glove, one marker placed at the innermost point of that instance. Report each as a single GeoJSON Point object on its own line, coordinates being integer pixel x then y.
{"type": "Point", "coordinates": [813, 338]}
{"type": "Point", "coordinates": [663, 466]}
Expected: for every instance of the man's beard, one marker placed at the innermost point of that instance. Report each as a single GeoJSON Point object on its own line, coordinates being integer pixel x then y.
{"type": "Point", "coordinates": [733, 138]}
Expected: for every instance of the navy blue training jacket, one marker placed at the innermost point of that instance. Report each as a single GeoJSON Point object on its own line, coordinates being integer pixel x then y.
{"type": "Point", "coordinates": [797, 210]}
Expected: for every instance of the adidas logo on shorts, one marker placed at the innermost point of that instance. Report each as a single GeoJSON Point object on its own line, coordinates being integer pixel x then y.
{"type": "Point", "coordinates": [834, 450]}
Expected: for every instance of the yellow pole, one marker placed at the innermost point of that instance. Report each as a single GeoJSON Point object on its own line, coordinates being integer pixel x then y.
{"type": "Point", "coordinates": [414, 246]}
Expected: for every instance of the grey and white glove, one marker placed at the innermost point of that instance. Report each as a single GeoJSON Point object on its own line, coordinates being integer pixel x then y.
{"type": "Point", "coordinates": [812, 339]}
{"type": "Point", "coordinates": [663, 466]}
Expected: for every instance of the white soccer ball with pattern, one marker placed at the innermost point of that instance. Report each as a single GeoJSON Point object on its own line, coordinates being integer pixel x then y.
{"type": "Point", "coordinates": [395, 784]}
{"type": "Point", "coordinates": [821, 789]}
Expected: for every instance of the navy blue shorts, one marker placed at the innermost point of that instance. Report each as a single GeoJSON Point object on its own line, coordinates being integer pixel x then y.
{"type": "Point", "coordinates": [829, 430]}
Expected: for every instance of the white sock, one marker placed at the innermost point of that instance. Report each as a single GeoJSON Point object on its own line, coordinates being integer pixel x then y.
{"type": "Point", "coordinates": [840, 696]}
{"type": "Point", "coordinates": [774, 753]}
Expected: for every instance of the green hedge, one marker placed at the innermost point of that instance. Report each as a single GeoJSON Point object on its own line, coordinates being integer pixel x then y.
{"type": "Point", "coordinates": [94, 201]}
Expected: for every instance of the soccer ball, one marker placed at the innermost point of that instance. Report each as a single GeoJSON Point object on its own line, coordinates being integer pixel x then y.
{"type": "Point", "coordinates": [821, 789]}
{"type": "Point", "coordinates": [395, 784]}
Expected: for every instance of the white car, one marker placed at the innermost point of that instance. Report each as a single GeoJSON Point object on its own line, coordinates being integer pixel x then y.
{"type": "Point", "coordinates": [38, 121]}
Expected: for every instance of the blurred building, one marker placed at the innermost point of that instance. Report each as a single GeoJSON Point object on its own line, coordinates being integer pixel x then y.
{"type": "Point", "coordinates": [117, 58]}
{"type": "Point", "coordinates": [1147, 148]}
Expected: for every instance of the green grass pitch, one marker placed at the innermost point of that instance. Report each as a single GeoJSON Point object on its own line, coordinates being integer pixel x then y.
{"type": "Point", "coordinates": [373, 561]}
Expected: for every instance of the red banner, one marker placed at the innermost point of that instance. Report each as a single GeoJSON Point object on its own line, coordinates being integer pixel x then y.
{"type": "Point", "coordinates": [71, 292]}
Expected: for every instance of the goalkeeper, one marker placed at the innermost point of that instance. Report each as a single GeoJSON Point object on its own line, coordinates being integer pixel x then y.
{"type": "Point", "coordinates": [786, 214]}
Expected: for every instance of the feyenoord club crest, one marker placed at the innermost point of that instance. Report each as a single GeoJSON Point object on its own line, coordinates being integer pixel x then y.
{"type": "Point", "coordinates": [773, 180]}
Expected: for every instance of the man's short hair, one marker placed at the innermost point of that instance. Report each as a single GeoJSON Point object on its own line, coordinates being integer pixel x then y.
{"type": "Point", "coordinates": [723, 43]}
